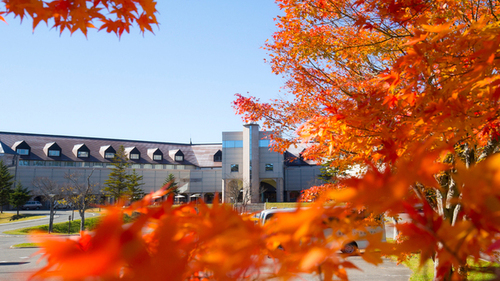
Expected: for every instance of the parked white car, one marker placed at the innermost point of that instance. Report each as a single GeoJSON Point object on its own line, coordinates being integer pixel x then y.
{"type": "Point", "coordinates": [349, 247]}
{"type": "Point", "coordinates": [32, 205]}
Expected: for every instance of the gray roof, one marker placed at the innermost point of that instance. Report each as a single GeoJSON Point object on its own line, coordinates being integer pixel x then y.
{"type": "Point", "coordinates": [5, 149]}
{"type": "Point", "coordinates": [200, 155]}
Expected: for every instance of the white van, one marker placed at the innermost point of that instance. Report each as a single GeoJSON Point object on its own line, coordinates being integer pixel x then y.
{"type": "Point", "coordinates": [349, 248]}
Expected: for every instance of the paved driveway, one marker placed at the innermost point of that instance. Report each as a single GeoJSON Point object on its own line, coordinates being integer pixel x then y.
{"type": "Point", "coordinates": [15, 264]}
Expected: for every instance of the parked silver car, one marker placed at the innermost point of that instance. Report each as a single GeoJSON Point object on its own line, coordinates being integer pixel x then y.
{"type": "Point", "coordinates": [32, 205]}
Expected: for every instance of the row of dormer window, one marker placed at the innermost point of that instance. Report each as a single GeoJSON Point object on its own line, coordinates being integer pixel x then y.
{"type": "Point", "coordinates": [108, 152]}
{"type": "Point", "coordinates": [52, 163]}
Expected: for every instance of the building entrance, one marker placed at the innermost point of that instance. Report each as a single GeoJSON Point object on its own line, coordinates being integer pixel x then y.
{"type": "Point", "coordinates": [267, 191]}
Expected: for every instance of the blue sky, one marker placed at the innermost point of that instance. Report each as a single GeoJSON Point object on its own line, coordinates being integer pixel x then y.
{"type": "Point", "coordinates": [173, 86]}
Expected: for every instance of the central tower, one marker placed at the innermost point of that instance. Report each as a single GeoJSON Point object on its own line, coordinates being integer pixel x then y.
{"type": "Point", "coordinates": [251, 167]}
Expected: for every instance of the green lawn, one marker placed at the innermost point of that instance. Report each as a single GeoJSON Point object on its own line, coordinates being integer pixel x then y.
{"type": "Point", "coordinates": [58, 228]}
{"type": "Point", "coordinates": [11, 217]}
{"type": "Point", "coordinates": [62, 228]}
{"type": "Point", "coordinates": [25, 245]}
{"type": "Point", "coordinates": [426, 272]}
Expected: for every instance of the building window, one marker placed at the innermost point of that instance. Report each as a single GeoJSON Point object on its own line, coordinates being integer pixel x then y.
{"type": "Point", "coordinates": [134, 156]}
{"type": "Point", "coordinates": [158, 166]}
{"type": "Point", "coordinates": [179, 158]}
{"type": "Point", "coordinates": [157, 157]}
{"type": "Point", "coordinates": [38, 163]}
{"type": "Point", "coordinates": [218, 156]}
{"type": "Point", "coordinates": [170, 167]}
{"type": "Point", "coordinates": [24, 162]}
{"type": "Point", "coordinates": [22, 151]}
{"type": "Point", "coordinates": [264, 143]}
{"type": "Point", "coordinates": [148, 166]}
{"type": "Point", "coordinates": [83, 154]}
{"type": "Point", "coordinates": [54, 153]}
{"type": "Point", "coordinates": [97, 164]}
{"type": "Point", "coordinates": [232, 144]}
{"type": "Point", "coordinates": [136, 166]}
{"type": "Point", "coordinates": [269, 167]}
{"type": "Point", "coordinates": [109, 155]}
{"type": "Point", "coordinates": [234, 168]}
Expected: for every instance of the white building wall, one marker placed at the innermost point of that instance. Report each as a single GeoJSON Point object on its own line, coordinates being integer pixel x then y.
{"type": "Point", "coordinates": [189, 181]}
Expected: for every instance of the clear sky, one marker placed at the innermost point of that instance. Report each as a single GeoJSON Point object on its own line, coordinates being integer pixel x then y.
{"type": "Point", "coordinates": [171, 86]}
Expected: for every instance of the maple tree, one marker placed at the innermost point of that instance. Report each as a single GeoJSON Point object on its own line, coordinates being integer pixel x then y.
{"type": "Point", "coordinates": [113, 16]}
{"type": "Point", "coordinates": [408, 89]}
{"type": "Point", "coordinates": [193, 242]}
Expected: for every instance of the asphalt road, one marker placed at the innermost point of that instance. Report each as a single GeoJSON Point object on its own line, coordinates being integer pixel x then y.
{"type": "Point", "coordinates": [17, 264]}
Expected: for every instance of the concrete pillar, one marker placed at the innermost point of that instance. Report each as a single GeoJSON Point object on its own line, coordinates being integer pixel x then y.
{"type": "Point", "coordinates": [224, 193]}
{"type": "Point", "coordinates": [251, 161]}
{"type": "Point", "coordinates": [279, 190]}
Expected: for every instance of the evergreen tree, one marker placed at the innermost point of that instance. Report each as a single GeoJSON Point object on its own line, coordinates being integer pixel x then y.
{"type": "Point", "coordinates": [134, 190]}
{"type": "Point", "coordinates": [5, 185]}
{"type": "Point", "coordinates": [117, 183]}
{"type": "Point", "coordinates": [173, 187]}
{"type": "Point", "coordinates": [19, 196]}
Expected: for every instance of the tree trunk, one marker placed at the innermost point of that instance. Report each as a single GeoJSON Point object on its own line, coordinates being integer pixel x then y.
{"type": "Point", "coordinates": [51, 216]}
{"type": "Point", "coordinates": [83, 207]}
{"type": "Point", "coordinates": [489, 149]}
{"type": "Point", "coordinates": [18, 210]}
{"type": "Point", "coordinates": [448, 209]}
{"type": "Point", "coordinates": [82, 219]}
{"type": "Point", "coordinates": [446, 276]}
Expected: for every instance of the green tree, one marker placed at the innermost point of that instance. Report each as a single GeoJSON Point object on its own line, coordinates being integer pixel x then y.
{"type": "Point", "coordinates": [6, 181]}
{"type": "Point", "coordinates": [19, 196]}
{"type": "Point", "coordinates": [134, 190]}
{"type": "Point", "coordinates": [173, 187]}
{"type": "Point", "coordinates": [331, 173]}
{"type": "Point", "coordinates": [117, 184]}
